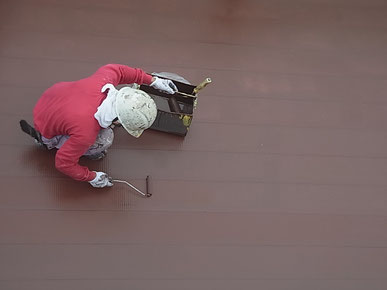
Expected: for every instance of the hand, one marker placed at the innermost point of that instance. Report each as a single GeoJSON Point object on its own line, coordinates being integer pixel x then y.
{"type": "Point", "coordinates": [164, 86]}
{"type": "Point", "coordinates": [101, 180]}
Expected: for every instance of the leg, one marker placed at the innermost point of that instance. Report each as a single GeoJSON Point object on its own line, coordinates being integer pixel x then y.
{"type": "Point", "coordinates": [102, 143]}
{"type": "Point", "coordinates": [96, 151]}
{"type": "Point", "coordinates": [55, 142]}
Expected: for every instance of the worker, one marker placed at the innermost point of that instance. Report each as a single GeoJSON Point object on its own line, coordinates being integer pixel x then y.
{"type": "Point", "coordinates": [75, 117]}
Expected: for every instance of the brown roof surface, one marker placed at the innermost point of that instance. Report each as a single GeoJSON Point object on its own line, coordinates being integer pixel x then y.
{"type": "Point", "coordinates": [280, 183]}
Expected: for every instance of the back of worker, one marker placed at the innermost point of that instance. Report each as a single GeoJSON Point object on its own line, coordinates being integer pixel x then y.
{"type": "Point", "coordinates": [68, 108]}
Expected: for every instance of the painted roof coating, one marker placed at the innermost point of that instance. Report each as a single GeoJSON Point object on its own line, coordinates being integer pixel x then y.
{"type": "Point", "coordinates": [279, 184]}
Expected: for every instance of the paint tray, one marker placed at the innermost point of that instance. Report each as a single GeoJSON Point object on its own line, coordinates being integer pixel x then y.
{"type": "Point", "coordinates": [174, 112]}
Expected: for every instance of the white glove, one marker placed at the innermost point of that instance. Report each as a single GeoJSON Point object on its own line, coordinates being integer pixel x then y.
{"type": "Point", "coordinates": [164, 86]}
{"type": "Point", "coordinates": [101, 180]}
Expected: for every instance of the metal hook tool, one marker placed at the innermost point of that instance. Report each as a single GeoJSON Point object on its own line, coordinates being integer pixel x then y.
{"type": "Point", "coordinates": [147, 194]}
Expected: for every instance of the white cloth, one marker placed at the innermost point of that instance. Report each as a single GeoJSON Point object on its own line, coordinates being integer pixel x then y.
{"type": "Point", "coordinates": [106, 112]}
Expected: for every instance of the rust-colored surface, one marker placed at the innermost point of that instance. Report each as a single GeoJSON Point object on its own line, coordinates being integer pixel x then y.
{"type": "Point", "coordinates": [280, 183]}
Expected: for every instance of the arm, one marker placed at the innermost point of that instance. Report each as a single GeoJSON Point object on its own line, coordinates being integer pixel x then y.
{"type": "Point", "coordinates": [66, 161]}
{"type": "Point", "coordinates": [117, 74]}
{"type": "Point", "coordinates": [67, 158]}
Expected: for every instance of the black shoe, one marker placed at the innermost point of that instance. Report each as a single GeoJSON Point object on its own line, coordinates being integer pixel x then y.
{"type": "Point", "coordinates": [27, 128]}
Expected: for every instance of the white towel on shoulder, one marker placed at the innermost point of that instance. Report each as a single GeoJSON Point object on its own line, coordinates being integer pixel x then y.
{"type": "Point", "coordinates": [106, 112]}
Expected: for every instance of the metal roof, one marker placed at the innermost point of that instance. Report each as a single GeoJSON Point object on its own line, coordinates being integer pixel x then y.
{"type": "Point", "coordinates": [279, 184]}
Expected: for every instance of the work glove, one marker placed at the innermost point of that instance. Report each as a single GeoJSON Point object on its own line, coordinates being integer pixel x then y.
{"type": "Point", "coordinates": [164, 86]}
{"type": "Point", "coordinates": [101, 180]}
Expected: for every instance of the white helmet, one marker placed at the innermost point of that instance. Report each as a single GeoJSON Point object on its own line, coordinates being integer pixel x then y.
{"type": "Point", "coordinates": [136, 110]}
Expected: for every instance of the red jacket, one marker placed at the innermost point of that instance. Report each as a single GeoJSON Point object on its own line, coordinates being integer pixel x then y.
{"type": "Point", "coordinates": [68, 108]}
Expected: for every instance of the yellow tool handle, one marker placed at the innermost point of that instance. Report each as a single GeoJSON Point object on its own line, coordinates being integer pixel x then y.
{"type": "Point", "coordinates": [202, 85]}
